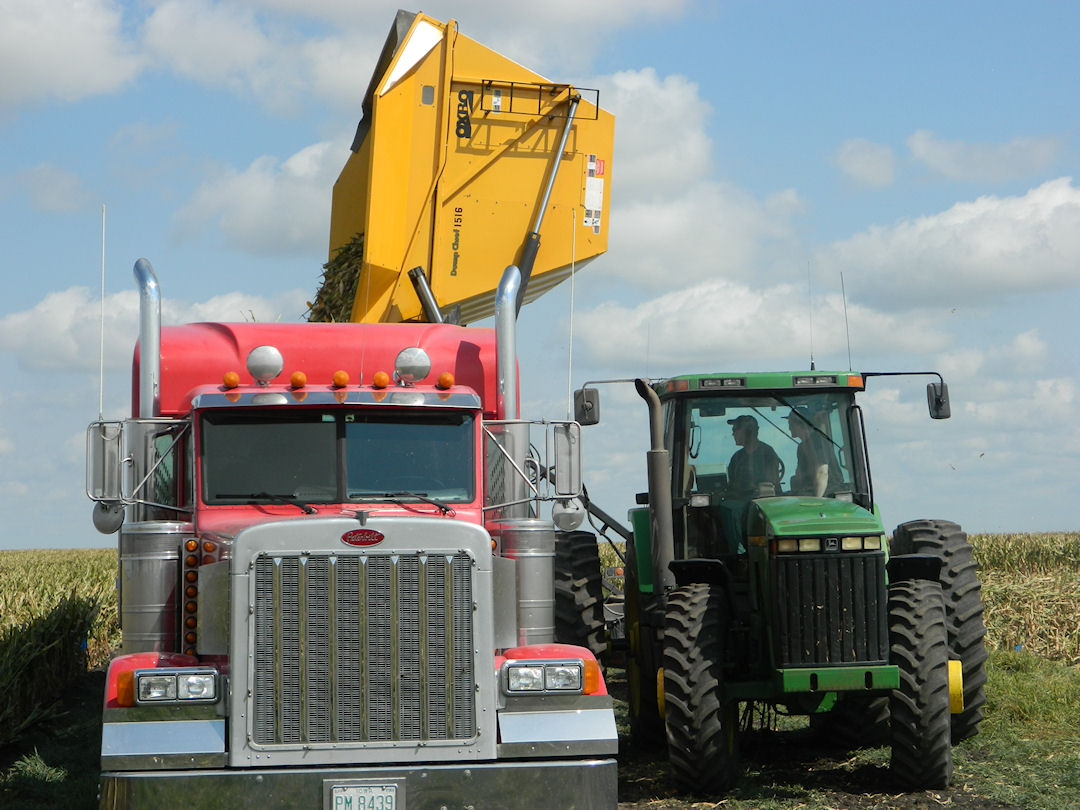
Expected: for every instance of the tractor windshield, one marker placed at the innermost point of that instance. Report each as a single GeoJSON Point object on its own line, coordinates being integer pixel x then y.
{"type": "Point", "coordinates": [311, 455]}
{"type": "Point", "coordinates": [752, 446]}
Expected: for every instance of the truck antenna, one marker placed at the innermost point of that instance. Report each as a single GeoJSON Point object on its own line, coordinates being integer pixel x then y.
{"type": "Point", "coordinates": [810, 308]}
{"type": "Point", "coordinates": [101, 346]}
{"type": "Point", "coordinates": [847, 326]}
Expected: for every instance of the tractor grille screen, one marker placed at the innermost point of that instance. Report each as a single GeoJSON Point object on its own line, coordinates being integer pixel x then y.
{"type": "Point", "coordinates": [362, 648]}
{"type": "Point", "coordinates": [830, 609]}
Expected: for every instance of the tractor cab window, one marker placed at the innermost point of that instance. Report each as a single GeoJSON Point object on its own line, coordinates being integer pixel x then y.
{"type": "Point", "coordinates": [311, 456]}
{"type": "Point", "coordinates": [729, 450]}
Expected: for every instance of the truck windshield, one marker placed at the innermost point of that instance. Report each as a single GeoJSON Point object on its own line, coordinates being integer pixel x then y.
{"type": "Point", "coordinates": [750, 446]}
{"type": "Point", "coordinates": [306, 456]}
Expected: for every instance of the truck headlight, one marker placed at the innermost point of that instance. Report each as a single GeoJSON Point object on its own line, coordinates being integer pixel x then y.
{"type": "Point", "coordinates": [199, 686]}
{"type": "Point", "coordinates": [545, 677]}
{"type": "Point", "coordinates": [152, 687]}
{"type": "Point", "coordinates": [525, 678]}
{"type": "Point", "coordinates": [562, 677]}
{"type": "Point", "coordinates": [175, 686]}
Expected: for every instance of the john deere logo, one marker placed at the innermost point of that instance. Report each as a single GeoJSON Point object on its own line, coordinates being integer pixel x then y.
{"type": "Point", "coordinates": [362, 537]}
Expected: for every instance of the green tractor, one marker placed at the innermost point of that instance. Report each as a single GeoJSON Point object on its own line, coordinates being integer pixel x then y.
{"type": "Point", "coordinates": [758, 571]}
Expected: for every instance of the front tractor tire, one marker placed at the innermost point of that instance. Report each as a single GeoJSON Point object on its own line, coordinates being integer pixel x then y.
{"type": "Point", "coordinates": [963, 608]}
{"type": "Point", "coordinates": [919, 709]}
{"type": "Point", "coordinates": [702, 724]}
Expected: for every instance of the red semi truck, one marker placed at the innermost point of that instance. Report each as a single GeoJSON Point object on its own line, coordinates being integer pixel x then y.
{"type": "Point", "coordinates": [335, 586]}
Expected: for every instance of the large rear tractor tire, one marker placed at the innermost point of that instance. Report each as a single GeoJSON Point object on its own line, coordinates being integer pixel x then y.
{"type": "Point", "coordinates": [702, 725]}
{"type": "Point", "coordinates": [579, 595]}
{"type": "Point", "coordinates": [919, 709]}
{"type": "Point", "coordinates": [963, 608]}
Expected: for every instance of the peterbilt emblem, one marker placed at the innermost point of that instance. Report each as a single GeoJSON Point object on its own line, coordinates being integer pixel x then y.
{"type": "Point", "coordinates": [362, 537]}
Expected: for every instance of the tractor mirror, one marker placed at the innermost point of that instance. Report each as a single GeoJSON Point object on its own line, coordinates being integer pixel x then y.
{"type": "Point", "coordinates": [937, 397]}
{"type": "Point", "coordinates": [587, 406]}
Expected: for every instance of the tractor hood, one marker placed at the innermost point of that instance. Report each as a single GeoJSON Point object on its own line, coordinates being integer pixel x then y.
{"type": "Point", "coordinates": [788, 516]}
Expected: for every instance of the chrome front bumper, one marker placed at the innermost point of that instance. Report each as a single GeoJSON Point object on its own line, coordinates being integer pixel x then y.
{"type": "Point", "coordinates": [562, 784]}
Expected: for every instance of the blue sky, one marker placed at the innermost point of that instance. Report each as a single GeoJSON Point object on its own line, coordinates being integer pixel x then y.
{"type": "Point", "coordinates": [924, 153]}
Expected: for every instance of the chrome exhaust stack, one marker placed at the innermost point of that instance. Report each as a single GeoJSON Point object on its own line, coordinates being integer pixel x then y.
{"type": "Point", "coordinates": [149, 339]}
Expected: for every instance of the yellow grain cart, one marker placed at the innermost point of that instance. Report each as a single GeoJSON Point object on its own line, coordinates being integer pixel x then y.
{"type": "Point", "coordinates": [462, 161]}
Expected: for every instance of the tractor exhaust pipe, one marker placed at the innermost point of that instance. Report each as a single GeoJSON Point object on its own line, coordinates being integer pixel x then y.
{"type": "Point", "coordinates": [659, 468]}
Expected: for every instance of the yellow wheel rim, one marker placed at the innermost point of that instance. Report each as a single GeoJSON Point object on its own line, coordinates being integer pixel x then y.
{"type": "Point", "coordinates": [956, 686]}
{"type": "Point", "coordinates": [660, 691]}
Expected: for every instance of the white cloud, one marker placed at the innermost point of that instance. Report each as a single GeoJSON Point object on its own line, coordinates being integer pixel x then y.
{"type": "Point", "coordinates": [971, 253]}
{"type": "Point", "coordinates": [866, 162]}
{"type": "Point", "coordinates": [984, 162]}
{"type": "Point", "coordinates": [73, 337]}
{"type": "Point", "coordinates": [271, 208]}
{"type": "Point", "coordinates": [661, 144]}
{"type": "Point", "coordinates": [66, 49]}
{"type": "Point", "coordinates": [226, 45]}
{"type": "Point", "coordinates": [53, 189]}
{"type": "Point", "coordinates": [707, 230]}
{"type": "Point", "coordinates": [762, 326]}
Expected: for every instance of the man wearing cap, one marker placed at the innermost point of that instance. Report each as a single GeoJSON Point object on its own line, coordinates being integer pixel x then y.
{"type": "Point", "coordinates": [816, 470]}
{"type": "Point", "coordinates": [754, 469]}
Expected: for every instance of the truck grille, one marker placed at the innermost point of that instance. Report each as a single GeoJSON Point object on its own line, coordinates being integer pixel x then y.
{"type": "Point", "coordinates": [830, 609]}
{"type": "Point", "coordinates": [362, 649]}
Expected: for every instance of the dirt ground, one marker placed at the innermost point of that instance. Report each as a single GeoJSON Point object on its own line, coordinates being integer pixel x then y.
{"type": "Point", "coordinates": [787, 768]}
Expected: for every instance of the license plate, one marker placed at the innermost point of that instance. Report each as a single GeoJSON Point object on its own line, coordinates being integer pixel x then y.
{"type": "Point", "coordinates": [365, 797]}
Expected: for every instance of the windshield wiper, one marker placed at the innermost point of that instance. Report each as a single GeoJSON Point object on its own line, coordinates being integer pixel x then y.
{"type": "Point", "coordinates": [395, 497]}
{"type": "Point", "coordinates": [255, 497]}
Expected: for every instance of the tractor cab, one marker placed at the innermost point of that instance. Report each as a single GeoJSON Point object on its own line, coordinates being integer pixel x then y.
{"type": "Point", "coordinates": [732, 447]}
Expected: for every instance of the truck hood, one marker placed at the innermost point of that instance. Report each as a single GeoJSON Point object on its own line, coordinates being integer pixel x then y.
{"type": "Point", "coordinates": [225, 523]}
{"type": "Point", "coordinates": [789, 516]}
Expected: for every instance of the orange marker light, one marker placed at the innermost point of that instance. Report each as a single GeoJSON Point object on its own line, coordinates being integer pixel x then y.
{"type": "Point", "coordinates": [191, 545]}
{"type": "Point", "coordinates": [381, 379]}
{"type": "Point", "coordinates": [592, 677]}
{"type": "Point", "coordinates": [341, 378]}
{"type": "Point", "coordinates": [125, 688]}
{"type": "Point", "coordinates": [446, 380]}
{"type": "Point", "coordinates": [231, 379]}
{"type": "Point", "coordinates": [298, 379]}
